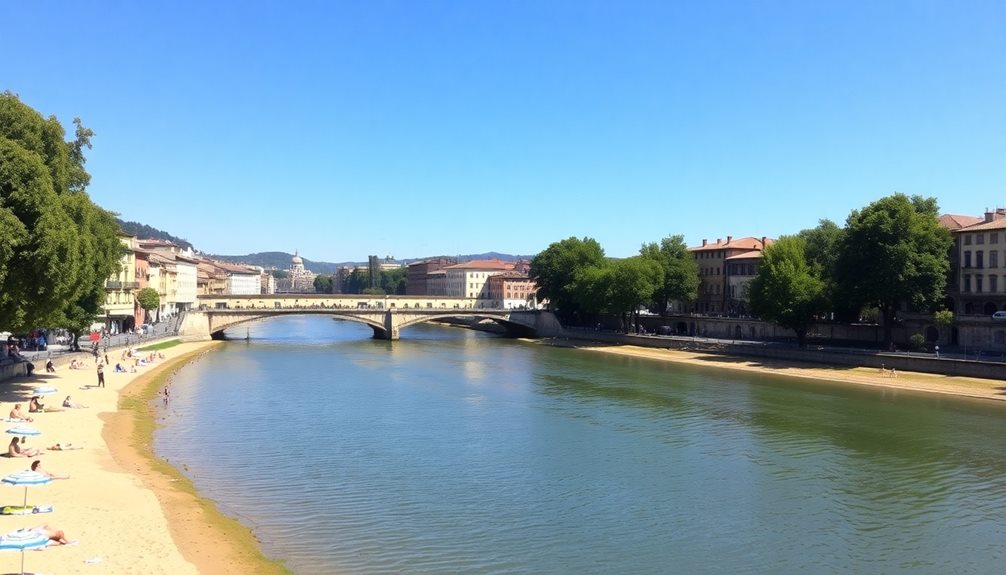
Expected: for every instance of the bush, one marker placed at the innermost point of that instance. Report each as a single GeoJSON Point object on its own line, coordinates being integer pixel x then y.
{"type": "Point", "coordinates": [917, 342]}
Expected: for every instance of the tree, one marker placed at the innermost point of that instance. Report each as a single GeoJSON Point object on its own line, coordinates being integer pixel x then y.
{"type": "Point", "coordinates": [556, 268]}
{"type": "Point", "coordinates": [634, 280]}
{"type": "Point", "coordinates": [681, 271]}
{"type": "Point", "coordinates": [280, 274]}
{"type": "Point", "coordinates": [943, 319]}
{"type": "Point", "coordinates": [58, 247]}
{"type": "Point", "coordinates": [323, 284]}
{"type": "Point", "coordinates": [894, 251]}
{"type": "Point", "coordinates": [822, 247]}
{"type": "Point", "coordinates": [149, 299]}
{"type": "Point", "coordinates": [787, 290]}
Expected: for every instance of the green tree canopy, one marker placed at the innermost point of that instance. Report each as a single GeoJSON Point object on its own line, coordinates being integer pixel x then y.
{"type": "Point", "coordinates": [787, 289]}
{"type": "Point", "coordinates": [680, 271]}
{"type": "Point", "coordinates": [323, 284]}
{"type": "Point", "coordinates": [556, 268]}
{"type": "Point", "coordinates": [634, 281]}
{"type": "Point", "coordinates": [148, 298]}
{"type": "Point", "coordinates": [58, 247]}
{"type": "Point", "coordinates": [893, 251]}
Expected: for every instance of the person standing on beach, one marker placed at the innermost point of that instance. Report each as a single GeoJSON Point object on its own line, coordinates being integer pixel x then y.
{"type": "Point", "coordinates": [101, 374]}
{"type": "Point", "coordinates": [165, 395]}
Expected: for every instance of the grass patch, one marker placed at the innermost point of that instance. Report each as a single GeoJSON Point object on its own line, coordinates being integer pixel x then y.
{"type": "Point", "coordinates": [161, 345]}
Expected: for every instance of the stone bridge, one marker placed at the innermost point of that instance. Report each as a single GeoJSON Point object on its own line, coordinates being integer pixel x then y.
{"type": "Point", "coordinates": [387, 316]}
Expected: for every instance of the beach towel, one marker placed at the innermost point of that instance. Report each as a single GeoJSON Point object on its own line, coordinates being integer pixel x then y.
{"type": "Point", "coordinates": [25, 509]}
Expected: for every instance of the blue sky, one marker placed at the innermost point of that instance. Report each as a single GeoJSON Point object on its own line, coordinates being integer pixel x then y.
{"type": "Point", "coordinates": [420, 128]}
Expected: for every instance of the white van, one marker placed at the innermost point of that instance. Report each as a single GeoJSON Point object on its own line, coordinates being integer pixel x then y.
{"type": "Point", "coordinates": [999, 315]}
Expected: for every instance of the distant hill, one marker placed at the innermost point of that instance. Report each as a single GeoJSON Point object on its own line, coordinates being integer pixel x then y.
{"type": "Point", "coordinates": [281, 260]}
{"type": "Point", "coordinates": [145, 232]}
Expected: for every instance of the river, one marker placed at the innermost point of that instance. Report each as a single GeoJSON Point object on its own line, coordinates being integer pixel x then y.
{"type": "Point", "coordinates": [451, 451]}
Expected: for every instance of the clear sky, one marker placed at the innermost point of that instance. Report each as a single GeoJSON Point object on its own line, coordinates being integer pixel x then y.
{"type": "Point", "coordinates": [420, 128]}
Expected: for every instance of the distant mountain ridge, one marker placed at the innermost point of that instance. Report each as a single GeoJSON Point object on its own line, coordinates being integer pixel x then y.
{"type": "Point", "coordinates": [145, 232]}
{"type": "Point", "coordinates": [281, 260]}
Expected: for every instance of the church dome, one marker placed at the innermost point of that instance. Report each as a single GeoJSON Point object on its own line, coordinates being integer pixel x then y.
{"type": "Point", "coordinates": [297, 259]}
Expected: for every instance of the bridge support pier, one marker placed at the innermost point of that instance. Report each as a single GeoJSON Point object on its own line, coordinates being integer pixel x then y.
{"type": "Point", "coordinates": [390, 326]}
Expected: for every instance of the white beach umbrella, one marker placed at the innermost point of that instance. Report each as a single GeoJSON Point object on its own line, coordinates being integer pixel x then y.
{"type": "Point", "coordinates": [27, 478]}
{"type": "Point", "coordinates": [23, 539]}
{"type": "Point", "coordinates": [44, 390]}
{"type": "Point", "coordinates": [23, 430]}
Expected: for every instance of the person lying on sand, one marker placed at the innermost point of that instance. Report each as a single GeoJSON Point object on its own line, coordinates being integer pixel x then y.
{"type": "Point", "coordinates": [18, 415]}
{"type": "Point", "coordinates": [65, 447]}
{"type": "Point", "coordinates": [72, 404]}
{"type": "Point", "coordinates": [15, 450]}
{"type": "Point", "coordinates": [55, 535]}
{"type": "Point", "coordinates": [36, 466]}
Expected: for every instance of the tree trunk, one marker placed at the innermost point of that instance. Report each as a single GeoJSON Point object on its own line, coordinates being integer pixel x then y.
{"type": "Point", "coordinates": [801, 337]}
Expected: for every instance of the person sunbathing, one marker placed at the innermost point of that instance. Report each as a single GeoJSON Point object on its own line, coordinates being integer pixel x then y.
{"type": "Point", "coordinates": [15, 450]}
{"type": "Point", "coordinates": [64, 447]}
{"type": "Point", "coordinates": [17, 415]}
{"type": "Point", "coordinates": [36, 466]}
{"type": "Point", "coordinates": [34, 406]}
{"type": "Point", "coordinates": [119, 368]}
{"type": "Point", "coordinates": [55, 535]}
{"type": "Point", "coordinates": [71, 404]}
{"type": "Point", "coordinates": [49, 367]}
{"type": "Point", "coordinates": [74, 364]}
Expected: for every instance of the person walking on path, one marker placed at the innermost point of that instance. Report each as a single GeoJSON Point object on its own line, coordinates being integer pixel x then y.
{"type": "Point", "coordinates": [101, 374]}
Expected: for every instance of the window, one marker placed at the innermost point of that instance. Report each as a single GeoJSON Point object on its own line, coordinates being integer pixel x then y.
{"type": "Point", "coordinates": [979, 258]}
{"type": "Point", "coordinates": [993, 258]}
{"type": "Point", "coordinates": [994, 238]}
{"type": "Point", "coordinates": [967, 283]}
{"type": "Point", "coordinates": [993, 288]}
{"type": "Point", "coordinates": [967, 239]}
{"type": "Point", "coordinates": [967, 259]}
{"type": "Point", "coordinates": [980, 239]}
{"type": "Point", "coordinates": [978, 284]}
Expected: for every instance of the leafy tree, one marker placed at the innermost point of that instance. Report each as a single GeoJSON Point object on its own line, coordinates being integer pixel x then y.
{"type": "Point", "coordinates": [680, 271]}
{"type": "Point", "coordinates": [280, 274]}
{"type": "Point", "coordinates": [894, 250]}
{"type": "Point", "coordinates": [323, 284]}
{"type": "Point", "coordinates": [394, 281]}
{"type": "Point", "coordinates": [943, 319]}
{"type": "Point", "coordinates": [823, 244]}
{"type": "Point", "coordinates": [58, 247]}
{"type": "Point", "coordinates": [787, 289]}
{"type": "Point", "coordinates": [633, 282]}
{"type": "Point", "coordinates": [556, 268]}
{"type": "Point", "coordinates": [149, 299]}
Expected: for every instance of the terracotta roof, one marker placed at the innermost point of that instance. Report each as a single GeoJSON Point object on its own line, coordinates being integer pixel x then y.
{"type": "Point", "coordinates": [748, 243]}
{"type": "Point", "coordinates": [993, 225]}
{"type": "Point", "coordinates": [956, 222]}
{"type": "Point", "coordinates": [746, 255]}
{"type": "Point", "coordinates": [491, 265]}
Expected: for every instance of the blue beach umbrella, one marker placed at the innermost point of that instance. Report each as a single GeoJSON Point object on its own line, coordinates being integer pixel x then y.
{"type": "Point", "coordinates": [23, 539]}
{"type": "Point", "coordinates": [26, 478]}
{"type": "Point", "coordinates": [44, 390]}
{"type": "Point", "coordinates": [23, 430]}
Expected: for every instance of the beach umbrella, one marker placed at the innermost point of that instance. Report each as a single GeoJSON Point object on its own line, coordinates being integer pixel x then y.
{"type": "Point", "coordinates": [23, 539]}
{"type": "Point", "coordinates": [44, 390]}
{"type": "Point", "coordinates": [27, 478]}
{"type": "Point", "coordinates": [23, 430]}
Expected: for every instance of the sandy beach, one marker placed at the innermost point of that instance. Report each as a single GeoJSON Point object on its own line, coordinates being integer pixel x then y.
{"type": "Point", "coordinates": [126, 511]}
{"type": "Point", "coordinates": [909, 381]}
{"type": "Point", "coordinates": [131, 513]}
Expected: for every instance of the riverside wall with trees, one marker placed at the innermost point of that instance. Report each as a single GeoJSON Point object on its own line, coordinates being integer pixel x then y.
{"type": "Point", "coordinates": [891, 258]}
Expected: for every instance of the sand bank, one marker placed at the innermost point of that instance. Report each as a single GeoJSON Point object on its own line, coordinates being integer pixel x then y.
{"type": "Point", "coordinates": [129, 512]}
{"type": "Point", "coordinates": [909, 381]}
